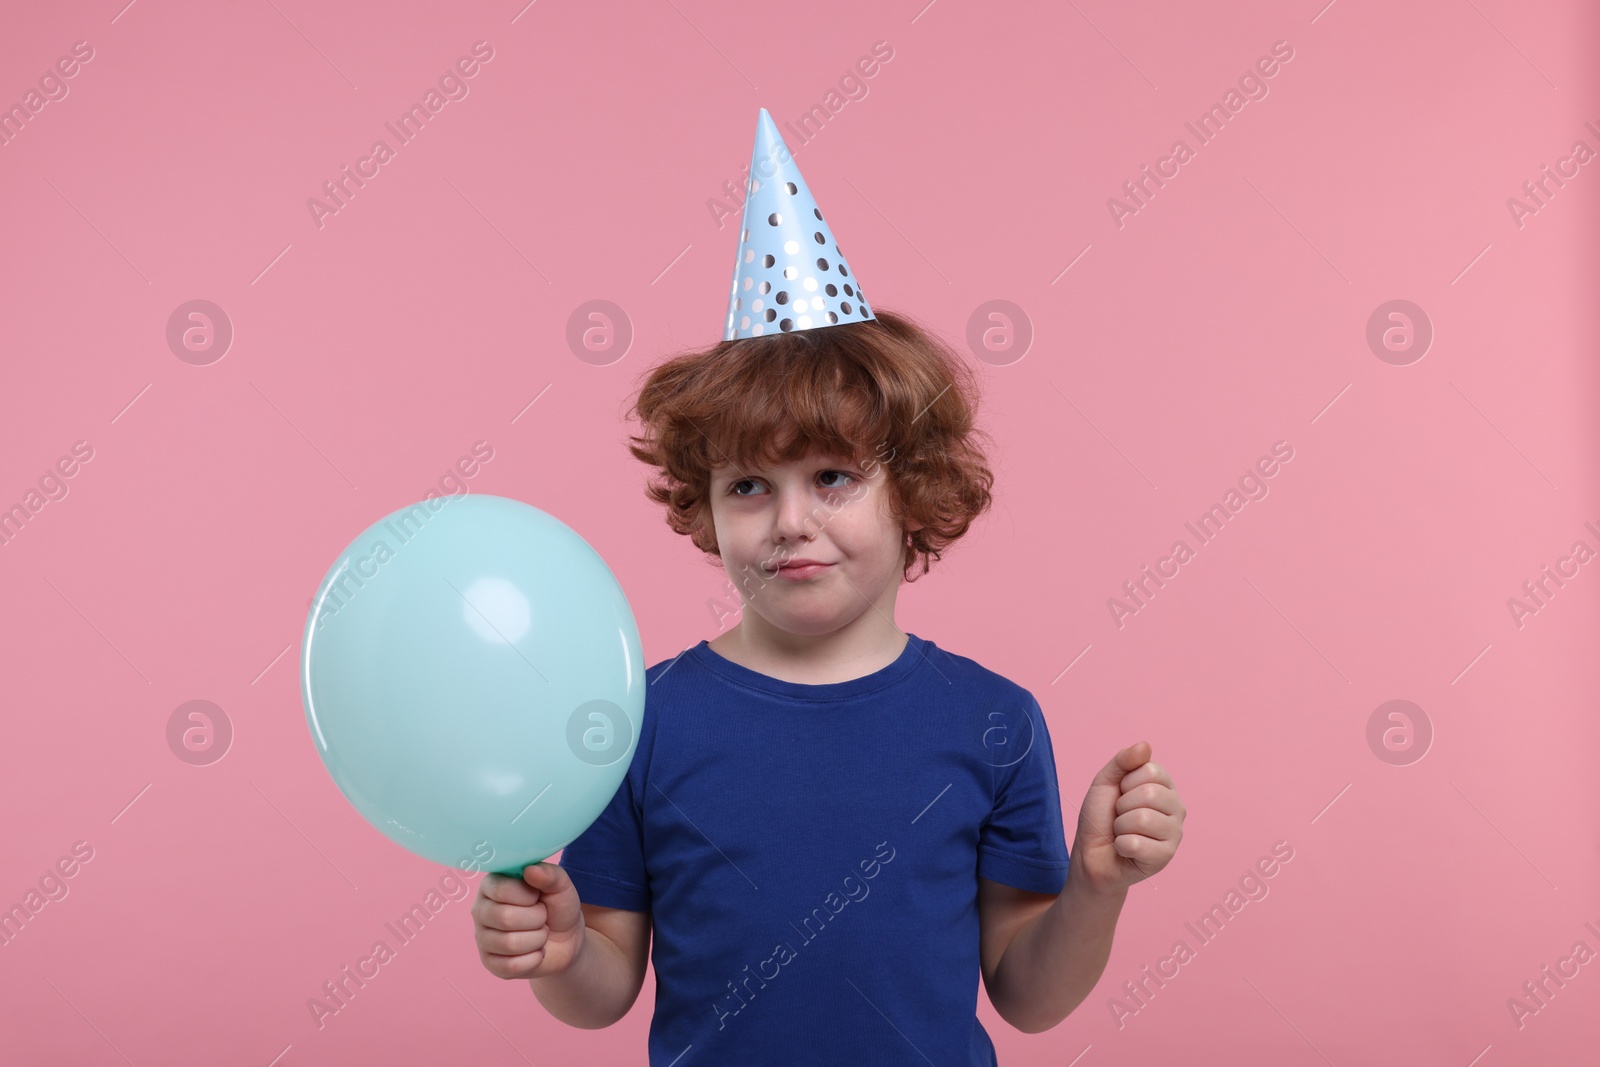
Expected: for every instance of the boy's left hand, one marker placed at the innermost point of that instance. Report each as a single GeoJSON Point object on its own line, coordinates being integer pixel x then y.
{"type": "Point", "coordinates": [1130, 823]}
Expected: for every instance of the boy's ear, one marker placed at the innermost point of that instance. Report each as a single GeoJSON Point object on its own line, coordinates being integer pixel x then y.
{"type": "Point", "coordinates": [706, 524]}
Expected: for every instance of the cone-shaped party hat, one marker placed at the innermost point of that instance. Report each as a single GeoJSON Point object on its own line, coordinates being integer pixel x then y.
{"type": "Point", "coordinates": [789, 274]}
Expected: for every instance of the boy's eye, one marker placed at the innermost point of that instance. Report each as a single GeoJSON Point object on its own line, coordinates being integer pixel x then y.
{"type": "Point", "coordinates": [841, 474]}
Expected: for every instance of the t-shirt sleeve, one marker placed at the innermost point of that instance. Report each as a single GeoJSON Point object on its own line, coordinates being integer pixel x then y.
{"type": "Point", "coordinates": [1023, 842]}
{"type": "Point", "coordinates": [606, 861]}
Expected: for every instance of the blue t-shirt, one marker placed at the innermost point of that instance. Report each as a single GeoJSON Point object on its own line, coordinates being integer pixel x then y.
{"type": "Point", "coordinates": [810, 855]}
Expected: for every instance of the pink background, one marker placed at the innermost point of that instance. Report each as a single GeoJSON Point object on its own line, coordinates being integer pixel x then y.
{"type": "Point", "coordinates": [1228, 314]}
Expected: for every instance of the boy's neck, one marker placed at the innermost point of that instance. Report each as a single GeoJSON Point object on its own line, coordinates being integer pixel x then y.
{"type": "Point", "coordinates": [864, 646]}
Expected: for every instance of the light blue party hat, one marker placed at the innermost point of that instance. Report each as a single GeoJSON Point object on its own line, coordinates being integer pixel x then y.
{"type": "Point", "coordinates": [789, 274]}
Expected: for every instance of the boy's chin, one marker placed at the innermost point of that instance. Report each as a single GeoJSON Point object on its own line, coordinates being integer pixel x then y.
{"type": "Point", "coordinates": [803, 624]}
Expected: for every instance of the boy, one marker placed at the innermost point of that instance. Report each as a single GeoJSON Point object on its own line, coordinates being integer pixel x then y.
{"type": "Point", "coordinates": [830, 827]}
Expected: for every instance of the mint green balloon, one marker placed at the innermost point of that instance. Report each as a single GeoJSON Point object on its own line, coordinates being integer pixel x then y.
{"type": "Point", "coordinates": [473, 681]}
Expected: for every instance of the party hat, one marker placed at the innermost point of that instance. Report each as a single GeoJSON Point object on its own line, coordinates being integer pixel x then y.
{"type": "Point", "coordinates": [789, 274]}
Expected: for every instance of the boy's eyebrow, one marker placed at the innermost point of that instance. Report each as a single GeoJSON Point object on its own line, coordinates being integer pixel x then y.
{"type": "Point", "coordinates": [822, 463]}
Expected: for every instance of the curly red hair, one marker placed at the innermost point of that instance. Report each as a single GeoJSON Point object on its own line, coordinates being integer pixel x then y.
{"type": "Point", "coordinates": [884, 385]}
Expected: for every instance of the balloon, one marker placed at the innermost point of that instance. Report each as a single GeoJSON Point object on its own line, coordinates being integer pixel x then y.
{"type": "Point", "coordinates": [473, 681]}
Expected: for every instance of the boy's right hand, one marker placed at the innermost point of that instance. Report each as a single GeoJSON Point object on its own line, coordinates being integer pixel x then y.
{"type": "Point", "coordinates": [530, 927]}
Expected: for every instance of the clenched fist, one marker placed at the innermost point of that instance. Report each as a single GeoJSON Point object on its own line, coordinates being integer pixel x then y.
{"type": "Point", "coordinates": [1130, 823]}
{"type": "Point", "coordinates": [532, 928]}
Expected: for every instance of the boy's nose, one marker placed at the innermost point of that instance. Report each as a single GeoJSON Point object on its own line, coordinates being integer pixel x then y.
{"type": "Point", "coordinates": [796, 523]}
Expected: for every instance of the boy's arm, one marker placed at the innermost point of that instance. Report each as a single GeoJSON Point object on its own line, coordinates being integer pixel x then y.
{"type": "Point", "coordinates": [606, 974]}
{"type": "Point", "coordinates": [1042, 954]}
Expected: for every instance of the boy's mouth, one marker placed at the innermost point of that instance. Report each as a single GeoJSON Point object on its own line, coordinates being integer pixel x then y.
{"type": "Point", "coordinates": [798, 569]}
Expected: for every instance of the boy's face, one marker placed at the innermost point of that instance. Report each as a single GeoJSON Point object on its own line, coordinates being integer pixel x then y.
{"type": "Point", "coordinates": [827, 508]}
